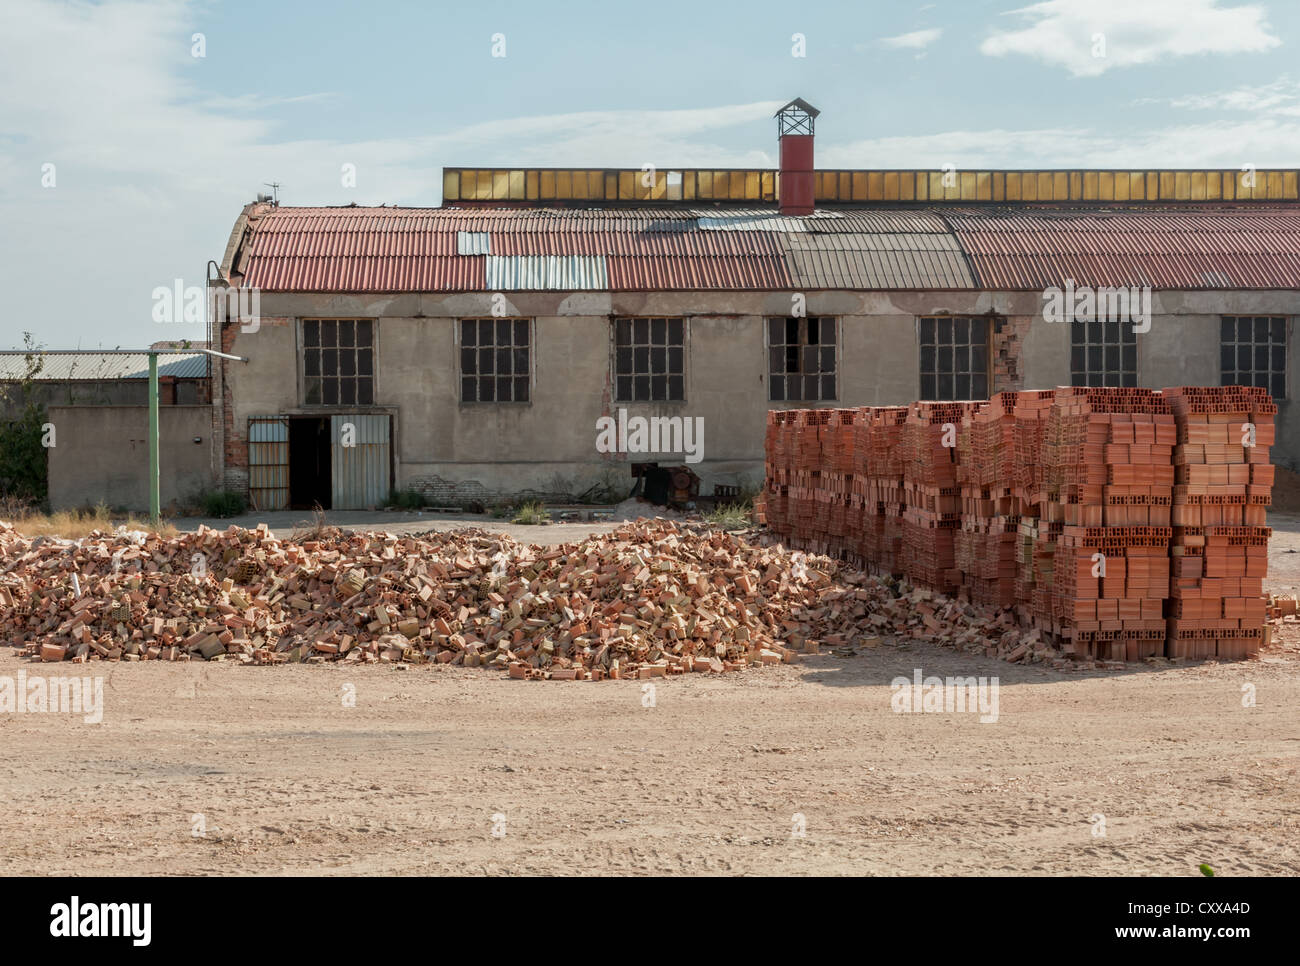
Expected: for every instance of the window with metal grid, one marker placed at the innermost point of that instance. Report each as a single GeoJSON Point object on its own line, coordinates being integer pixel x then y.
{"type": "Point", "coordinates": [954, 357]}
{"type": "Point", "coordinates": [649, 360]}
{"type": "Point", "coordinates": [802, 362]}
{"type": "Point", "coordinates": [1103, 353]}
{"type": "Point", "coordinates": [338, 362]}
{"type": "Point", "coordinates": [494, 360]}
{"type": "Point", "coordinates": [1252, 352]}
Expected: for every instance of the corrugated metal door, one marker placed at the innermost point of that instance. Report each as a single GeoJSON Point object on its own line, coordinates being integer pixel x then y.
{"type": "Point", "coordinates": [268, 462]}
{"type": "Point", "coordinates": [360, 460]}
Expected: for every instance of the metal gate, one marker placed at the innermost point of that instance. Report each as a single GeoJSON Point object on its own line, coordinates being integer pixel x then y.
{"type": "Point", "coordinates": [360, 460]}
{"type": "Point", "coordinates": [268, 462]}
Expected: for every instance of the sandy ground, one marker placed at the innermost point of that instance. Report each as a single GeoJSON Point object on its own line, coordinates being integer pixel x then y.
{"type": "Point", "coordinates": [583, 778]}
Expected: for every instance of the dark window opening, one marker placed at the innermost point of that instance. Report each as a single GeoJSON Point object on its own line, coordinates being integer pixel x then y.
{"type": "Point", "coordinates": [954, 357]}
{"type": "Point", "coordinates": [650, 360]}
{"type": "Point", "coordinates": [802, 362]}
{"type": "Point", "coordinates": [495, 360]}
{"type": "Point", "coordinates": [1103, 353]}
{"type": "Point", "coordinates": [1252, 352]}
{"type": "Point", "coordinates": [338, 362]}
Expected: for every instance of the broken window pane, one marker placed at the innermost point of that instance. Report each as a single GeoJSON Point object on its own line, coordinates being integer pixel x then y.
{"type": "Point", "coordinates": [803, 348]}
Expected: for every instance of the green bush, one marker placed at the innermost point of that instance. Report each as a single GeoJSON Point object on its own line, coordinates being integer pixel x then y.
{"type": "Point", "coordinates": [533, 513]}
{"type": "Point", "coordinates": [23, 456]}
{"type": "Point", "coordinates": [222, 503]}
{"type": "Point", "coordinates": [731, 516]}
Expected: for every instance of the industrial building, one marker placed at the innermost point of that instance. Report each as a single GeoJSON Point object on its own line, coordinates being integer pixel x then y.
{"type": "Point", "coordinates": [470, 351]}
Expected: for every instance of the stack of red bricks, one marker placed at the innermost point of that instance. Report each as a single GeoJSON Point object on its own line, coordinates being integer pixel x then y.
{"type": "Point", "coordinates": [1032, 410]}
{"type": "Point", "coordinates": [886, 437]}
{"type": "Point", "coordinates": [804, 512]}
{"type": "Point", "coordinates": [1220, 544]}
{"type": "Point", "coordinates": [1107, 455]}
{"type": "Point", "coordinates": [878, 484]}
{"type": "Point", "coordinates": [1109, 479]}
{"type": "Point", "coordinates": [985, 544]}
{"type": "Point", "coordinates": [1109, 590]}
{"type": "Point", "coordinates": [1036, 537]}
{"type": "Point", "coordinates": [931, 497]}
{"type": "Point", "coordinates": [1068, 504]}
{"type": "Point", "coordinates": [778, 444]}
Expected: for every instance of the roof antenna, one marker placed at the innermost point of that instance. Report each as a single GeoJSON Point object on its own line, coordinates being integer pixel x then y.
{"type": "Point", "coordinates": [275, 191]}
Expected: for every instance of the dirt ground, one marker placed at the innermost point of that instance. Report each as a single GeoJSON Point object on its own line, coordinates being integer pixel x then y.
{"type": "Point", "coordinates": [711, 778]}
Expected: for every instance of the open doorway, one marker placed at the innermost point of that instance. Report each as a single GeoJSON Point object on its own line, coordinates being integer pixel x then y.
{"type": "Point", "coordinates": [309, 463]}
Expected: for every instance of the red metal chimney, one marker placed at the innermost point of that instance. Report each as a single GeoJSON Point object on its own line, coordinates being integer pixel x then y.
{"type": "Point", "coordinates": [795, 132]}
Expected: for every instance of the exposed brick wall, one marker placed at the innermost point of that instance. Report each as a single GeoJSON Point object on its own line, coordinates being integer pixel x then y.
{"type": "Point", "coordinates": [1008, 342]}
{"type": "Point", "coordinates": [443, 492]}
{"type": "Point", "coordinates": [234, 438]}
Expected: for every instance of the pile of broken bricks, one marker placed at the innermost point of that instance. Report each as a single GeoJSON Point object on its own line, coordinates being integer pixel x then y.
{"type": "Point", "coordinates": [653, 598]}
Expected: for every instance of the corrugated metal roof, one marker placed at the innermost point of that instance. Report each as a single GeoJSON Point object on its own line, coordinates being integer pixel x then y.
{"type": "Point", "coordinates": [367, 273]}
{"type": "Point", "coordinates": [761, 272]}
{"type": "Point", "coordinates": [1188, 248]}
{"type": "Point", "coordinates": [97, 366]}
{"type": "Point", "coordinates": [637, 249]}
{"type": "Point", "coordinates": [877, 262]}
{"type": "Point", "coordinates": [517, 273]}
{"type": "Point", "coordinates": [764, 222]}
{"type": "Point", "coordinates": [659, 244]}
{"type": "Point", "coordinates": [473, 243]}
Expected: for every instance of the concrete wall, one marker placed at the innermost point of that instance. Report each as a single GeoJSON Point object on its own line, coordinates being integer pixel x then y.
{"type": "Point", "coordinates": [457, 451]}
{"type": "Point", "coordinates": [101, 453]}
{"type": "Point", "coordinates": [1182, 349]}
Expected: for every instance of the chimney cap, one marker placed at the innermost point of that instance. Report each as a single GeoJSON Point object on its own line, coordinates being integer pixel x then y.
{"type": "Point", "coordinates": [800, 104]}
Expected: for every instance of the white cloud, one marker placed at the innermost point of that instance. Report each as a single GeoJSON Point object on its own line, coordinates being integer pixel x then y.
{"type": "Point", "coordinates": [916, 40]}
{"type": "Point", "coordinates": [259, 102]}
{"type": "Point", "coordinates": [1064, 33]}
{"type": "Point", "coordinates": [152, 169]}
{"type": "Point", "coordinates": [1281, 97]}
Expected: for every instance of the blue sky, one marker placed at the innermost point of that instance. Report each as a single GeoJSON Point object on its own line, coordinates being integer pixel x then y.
{"type": "Point", "coordinates": [155, 150]}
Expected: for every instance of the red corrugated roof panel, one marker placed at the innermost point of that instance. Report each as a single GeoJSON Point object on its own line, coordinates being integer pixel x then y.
{"type": "Point", "coordinates": [1169, 248]}
{"type": "Point", "coordinates": [680, 274]}
{"type": "Point", "coordinates": [1021, 248]}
